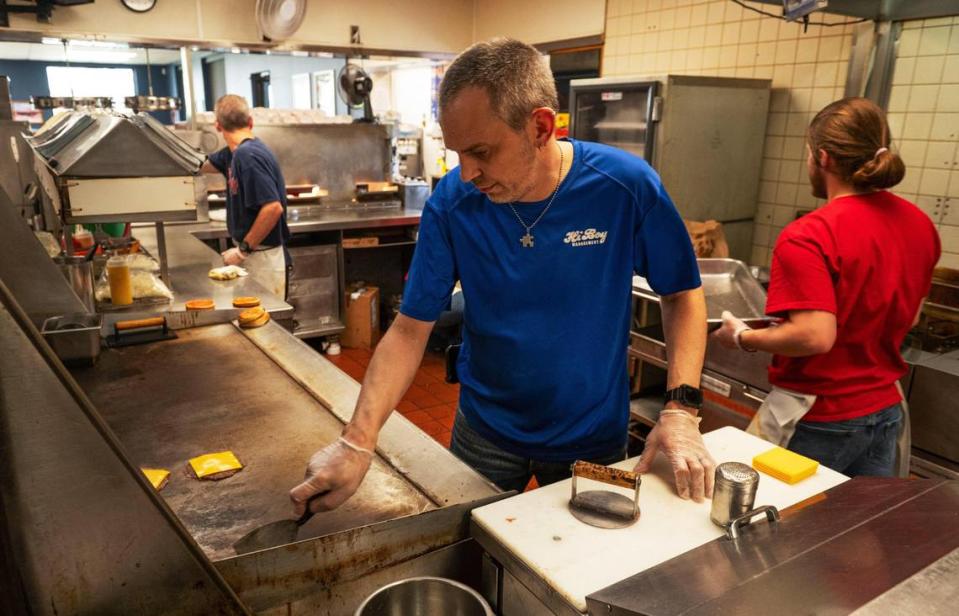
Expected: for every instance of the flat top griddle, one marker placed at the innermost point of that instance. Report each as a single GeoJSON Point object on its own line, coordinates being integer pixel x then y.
{"type": "Point", "coordinates": [170, 401]}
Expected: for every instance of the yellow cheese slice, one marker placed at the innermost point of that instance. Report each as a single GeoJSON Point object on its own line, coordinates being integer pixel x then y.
{"type": "Point", "coordinates": [213, 463]}
{"type": "Point", "coordinates": [785, 465]}
{"type": "Point", "coordinates": [157, 476]}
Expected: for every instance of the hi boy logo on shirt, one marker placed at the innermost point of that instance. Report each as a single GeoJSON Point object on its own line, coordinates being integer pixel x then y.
{"type": "Point", "coordinates": [588, 237]}
{"type": "Point", "coordinates": [232, 183]}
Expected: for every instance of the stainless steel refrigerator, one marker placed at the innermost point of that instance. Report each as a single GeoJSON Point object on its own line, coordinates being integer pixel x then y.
{"type": "Point", "coordinates": [703, 135]}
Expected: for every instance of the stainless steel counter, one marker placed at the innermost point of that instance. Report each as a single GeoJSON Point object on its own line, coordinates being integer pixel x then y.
{"type": "Point", "coordinates": [318, 280]}
{"type": "Point", "coordinates": [190, 261]}
{"type": "Point", "coordinates": [873, 543]}
{"type": "Point", "coordinates": [306, 219]}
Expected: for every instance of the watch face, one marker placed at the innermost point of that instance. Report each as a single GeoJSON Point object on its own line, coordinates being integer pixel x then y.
{"type": "Point", "coordinates": [693, 395]}
{"type": "Point", "coordinates": [686, 394]}
{"type": "Point", "coordinates": [139, 6]}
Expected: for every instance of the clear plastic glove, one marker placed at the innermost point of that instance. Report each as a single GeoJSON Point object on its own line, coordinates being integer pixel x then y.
{"type": "Point", "coordinates": [233, 256]}
{"type": "Point", "coordinates": [336, 472]}
{"type": "Point", "coordinates": [732, 328]}
{"type": "Point", "coordinates": [677, 435]}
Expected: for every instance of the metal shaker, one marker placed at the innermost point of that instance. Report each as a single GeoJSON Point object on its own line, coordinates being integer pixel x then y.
{"type": "Point", "coordinates": [734, 492]}
{"type": "Point", "coordinates": [79, 273]}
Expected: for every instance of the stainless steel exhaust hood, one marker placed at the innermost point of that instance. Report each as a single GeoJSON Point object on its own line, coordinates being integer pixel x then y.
{"type": "Point", "coordinates": [88, 145]}
{"type": "Point", "coordinates": [104, 166]}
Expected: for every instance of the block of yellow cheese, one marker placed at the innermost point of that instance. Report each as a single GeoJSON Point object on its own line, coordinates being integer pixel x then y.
{"type": "Point", "coordinates": [157, 476]}
{"type": "Point", "coordinates": [218, 465]}
{"type": "Point", "coordinates": [785, 465]}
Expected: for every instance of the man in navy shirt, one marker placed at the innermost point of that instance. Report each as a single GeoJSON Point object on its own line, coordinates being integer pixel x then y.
{"type": "Point", "coordinates": [255, 197]}
{"type": "Point", "coordinates": [544, 236]}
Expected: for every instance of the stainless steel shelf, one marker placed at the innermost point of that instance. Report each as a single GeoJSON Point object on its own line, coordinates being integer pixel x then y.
{"type": "Point", "coordinates": [385, 245]}
{"type": "Point", "coordinates": [314, 328]}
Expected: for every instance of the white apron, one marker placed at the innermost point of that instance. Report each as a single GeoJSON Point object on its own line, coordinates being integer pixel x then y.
{"type": "Point", "coordinates": [268, 269]}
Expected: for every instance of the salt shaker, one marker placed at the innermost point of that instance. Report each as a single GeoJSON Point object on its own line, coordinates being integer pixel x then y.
{"type": "Point", "coordinates": [734, 492]}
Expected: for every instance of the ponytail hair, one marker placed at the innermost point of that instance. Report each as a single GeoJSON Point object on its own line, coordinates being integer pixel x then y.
{"type": "Point", "coordinates": [855, 134]}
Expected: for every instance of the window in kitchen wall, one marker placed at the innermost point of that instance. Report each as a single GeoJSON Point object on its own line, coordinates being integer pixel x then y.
{"type": "Point", "coordinates": [412, 93]}
{"type": "Point", "coordinates": [116, 83]}
{"type": "Point", "coordinates": [403, 89]}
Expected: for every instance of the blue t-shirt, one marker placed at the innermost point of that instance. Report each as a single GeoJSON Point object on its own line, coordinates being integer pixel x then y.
{"type": "Point", "coordinates": [253, 179]}
{"type": "Point", "coordinates": [545, 329]}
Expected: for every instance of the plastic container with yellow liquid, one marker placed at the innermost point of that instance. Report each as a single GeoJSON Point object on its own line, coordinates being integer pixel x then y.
{"type": "Point", "coordinates": [121, 287]}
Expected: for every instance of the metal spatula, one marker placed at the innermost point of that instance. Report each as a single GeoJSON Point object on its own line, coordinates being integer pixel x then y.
{"type": "Point", "coordinates": [276, 533]}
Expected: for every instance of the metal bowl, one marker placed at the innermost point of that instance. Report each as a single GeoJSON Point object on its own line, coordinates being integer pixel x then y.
{"type": "Point", "coordinates": [425, 596]}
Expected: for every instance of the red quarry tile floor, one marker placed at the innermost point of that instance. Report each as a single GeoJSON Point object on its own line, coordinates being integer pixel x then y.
{"type": "Point", "coordinates": [430, 402]}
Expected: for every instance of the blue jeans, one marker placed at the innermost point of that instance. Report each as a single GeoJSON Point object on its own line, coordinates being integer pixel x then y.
{"type": "Point", "coordinates": [509, 471]}
{"type": "Point", "coordinates": [861, 446]}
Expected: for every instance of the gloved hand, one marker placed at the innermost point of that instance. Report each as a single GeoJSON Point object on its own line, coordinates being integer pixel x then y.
{"type": "Point", "coordinates": [336, 470]}
{"type": "Point", "coordinates": [233, 256]}
{"type": "Point", "coordinates": [732, 328]}
{"type": "Point", "coordinates": [677, 435]}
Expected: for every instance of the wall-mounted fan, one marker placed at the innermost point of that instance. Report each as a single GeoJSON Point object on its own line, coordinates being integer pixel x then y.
{"type": "Point", "coordinates": [355, 86]}
{"type": "Point", "coordinates": [279, 19]}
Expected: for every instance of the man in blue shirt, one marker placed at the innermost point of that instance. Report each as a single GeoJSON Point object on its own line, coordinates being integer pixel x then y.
{"type": "Point", "coordinates": [255, 197]}
{"type": "Point", "coordinates": [544, 236]}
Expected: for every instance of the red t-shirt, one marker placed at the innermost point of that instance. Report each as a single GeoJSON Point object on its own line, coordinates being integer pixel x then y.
{"type": "Point", "coordinates": [868, 259]}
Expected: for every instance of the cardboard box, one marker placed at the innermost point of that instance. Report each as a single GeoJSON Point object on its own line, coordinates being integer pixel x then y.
{"type": "Point", "coordinates": [362, 318]}
{"type": "Point", "coordinates": [361, 242]}
{"type": "Point", "coordinates": [708, 239]}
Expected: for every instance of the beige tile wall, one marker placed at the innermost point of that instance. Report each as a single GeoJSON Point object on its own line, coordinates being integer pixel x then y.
{"type": "Point", "coordinates": [808, 70]}
{"type": "Point", "coordinates": [924, 118]}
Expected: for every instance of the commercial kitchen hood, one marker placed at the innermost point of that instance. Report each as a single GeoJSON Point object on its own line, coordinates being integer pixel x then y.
{"type": "Point", "coordinates": [103, 166]}
{"type": "Point", "coordinates": [82, 144]}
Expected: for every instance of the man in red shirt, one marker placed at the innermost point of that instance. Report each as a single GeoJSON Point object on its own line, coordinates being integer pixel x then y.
{"type": "Point", "coordinates": [848, 280]}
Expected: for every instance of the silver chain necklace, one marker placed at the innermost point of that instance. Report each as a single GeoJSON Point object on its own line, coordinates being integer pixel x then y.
{"type": "Point", "coordinates": [527, 240]}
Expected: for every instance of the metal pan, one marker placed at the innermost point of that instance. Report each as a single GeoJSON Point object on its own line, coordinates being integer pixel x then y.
{"type": "Point", "coordinates": [728, 285]}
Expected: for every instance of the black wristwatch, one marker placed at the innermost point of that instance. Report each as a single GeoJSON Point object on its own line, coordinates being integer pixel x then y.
{"type": "Point", "coordinates": [687, 395]}
{"type": "Point", "coordinates": [244, 247]}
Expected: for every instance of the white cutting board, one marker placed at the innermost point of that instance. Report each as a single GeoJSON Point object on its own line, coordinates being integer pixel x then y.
{"type": "Point", "coordinates": [576, 559]}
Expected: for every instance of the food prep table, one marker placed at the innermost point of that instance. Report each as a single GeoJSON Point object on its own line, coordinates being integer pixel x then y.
{"type": "Point", "coordinates": [840, 545]}
{"type": "Point", "coordinates": [562, 561]}
{"type": "Point", "coordinates": [190, 261]}
{"type": "Point", "coordinates": [322, 266]}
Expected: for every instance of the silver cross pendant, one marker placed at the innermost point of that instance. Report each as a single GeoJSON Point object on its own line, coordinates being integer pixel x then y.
{"type": "Point", "coordinates": [526, 240]}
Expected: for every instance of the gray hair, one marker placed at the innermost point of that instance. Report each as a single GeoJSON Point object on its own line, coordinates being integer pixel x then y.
{"type": "Point", "coordinates": [513, 74]}
{"type": "Point", "coordinates": [232, 112]}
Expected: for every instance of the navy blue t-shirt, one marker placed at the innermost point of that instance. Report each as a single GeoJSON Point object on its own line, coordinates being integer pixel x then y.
{"type": "Point", "coordinates": [253, 179]}
{"type": "Point", "coordinates": [545, 329]}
